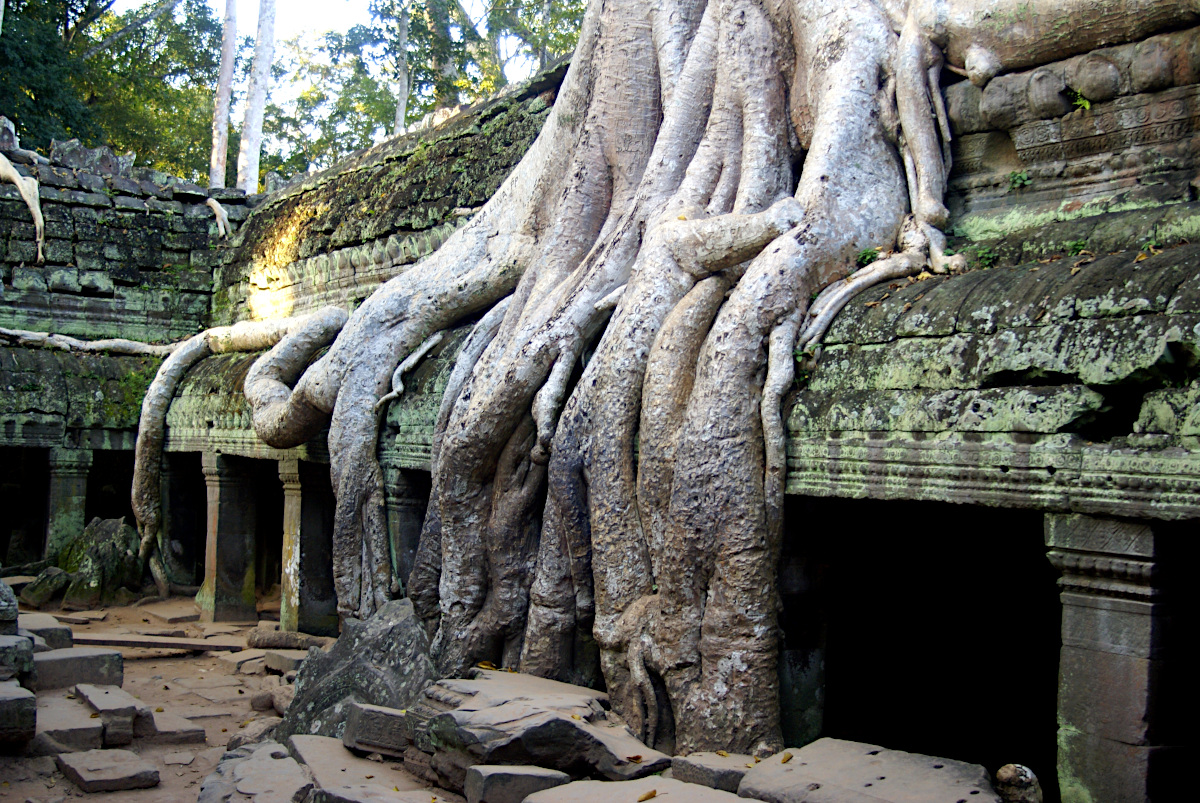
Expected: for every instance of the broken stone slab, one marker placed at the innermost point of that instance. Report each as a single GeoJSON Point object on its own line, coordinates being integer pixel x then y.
{"type": "Point", "coordinates": [60, 669]}
{"type": "Point", "coordinates": [51, 583]}
{"type": "Point", "coordinates": [39, 643]}
{"type": "Point", "coordinates": [18, 714]}
{"type": "Point", "coordinates": [283, 661]}
{"type": "Point", "coordinates": [666, 788]}
{"type": "Point", "coordinates": [117, 709]}
{"type": "Point", "coordinates": [368, 793]}
{"type": "Point", "coordinates": [332, 765]}
{"type": "Point", "coordinates": [65, 725]}
{"type": "Point", "coordinates": [854, 771]}
{"type": "Point", "coordinates": [271, 774]}
{"type": "Point", "coordinates": [713, 770]}
{"type": "Point", "coordinates": [179, 759]}
{"type": "Point", "coordinates": [495, 783]}
{"type": "Point", "coordinates": [8, 610]}
{"type": "Point", "coordinates": [57, 635]}
{"type": "Point", "coordinates": [237, 660]}
{"type": "Point", "coordinates": [377, 729]}
{"type": "Point", "coordinates": [107, 770]}
{"type": "Point", "coordinates": [381, 661]}
{"type": "Point", "coordinates": [254, 732]}
{"type": "Point", "coordinates": [510, 718]}
{"type": "Point", "coordinates": [281, 698]}
{"type": "Point", "coordinates": [82, 617]}
{"type": "Point", "coordinates": [167, 728]}
{"type": "Point", "coordinates": [16, 657]}
{"type": "Point", "coordinates": [173, 612]}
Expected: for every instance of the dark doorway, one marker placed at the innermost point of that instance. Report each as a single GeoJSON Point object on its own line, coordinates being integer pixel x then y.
{"type": "Point", "coordinates": [938, 628]}
{"type": "Point", "coordinates": [185, 510]}
{"type": "Point", "coordinates": [263, 475]}
{"type": "Point", "coordinates": [110, 482]}
{"type": "Point", "coordinates": [24, 495]}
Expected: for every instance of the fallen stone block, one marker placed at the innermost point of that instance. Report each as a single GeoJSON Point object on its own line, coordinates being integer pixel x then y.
{"type": "Point", "coordinates": [332, 765]}
{"type": "Point", "coordinates": [60, 669]}
{"type": "Point", "coordinates": [173, 612]}
{"type": "Point", "coordinates": [502, 784]}
{"type": "Point", "coordinates": [253, 733]}
{"type": "Point", "coordinates": [367, 793]}
{"type": "Point", "coordinates": [262, 701]}
{"type": "Point", "coordinates": [271, 772]}
{"type": "Point", "coordinates": [283, 661]}
{"type": "Point", "coordinates": [51, 583]}
{"type": "Point", "coordinates": [713, 770]}
{"type": "Point", "coordinates": [8, 610]}
{"type": "Point", "coordinates": [82, 617]}
{"type": "Point", "coordinates": [118, 709]}
{"type": "Point", "coordinates": [107, 770]}
{"type": "Point", "coordinates": [640, 789]}
{"type": "Point", "coordinates": [855, 771]}
{"type": "Point", "coordinates": [239, 659]}
{"type": "Point", "coordinates": [510, 718]}
{"type": "Point", "coordinates": [65, 726]}
{"type": "Point", "coordinates": [171, 728]}
{"type": "Point", "coordinates": [377, 729]}
{"type": "Point", "coordinates": [18, 714]}
{"type": "Point", "coordinates": [57, 635]}
{"type": "Point", "coordinates": [281, 698]}
{"type": "Point", "coordinates": [39, 643]}
{"type": "Point", "coordinates": [16, 657]}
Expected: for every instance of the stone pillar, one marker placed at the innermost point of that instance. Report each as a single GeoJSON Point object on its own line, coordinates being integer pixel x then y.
{"type": "Point", "coordinates": [227, 594]}
{"type": "Point", "coordinates": [406, 505]}
{"type": "Point", "coordinates": [67, 499]}
{"type": "Point", "coordinates": [309, 602]}
{"type": "Point", "coordinates": [1114, 732]}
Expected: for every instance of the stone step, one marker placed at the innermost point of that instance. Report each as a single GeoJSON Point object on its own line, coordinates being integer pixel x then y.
{"type": "Point", "coordinates": [284, 661]}
{"type": "Point", "coordinates": [57, 635]}
{"type": "Point", "coordinates": [118, 710]}
{"type": "Point", "coordinates": [65, 725]}
{"type": "Point", "coordinates": [166, 728]}
{"type": "Point", "coordinates": [18, 715]}
{"type": "Point", "coordinates": [332, 765]}
{"type": "Point", "coordinates": [107, 770]}
{"type": "Point", "coordinates": [62, 669]}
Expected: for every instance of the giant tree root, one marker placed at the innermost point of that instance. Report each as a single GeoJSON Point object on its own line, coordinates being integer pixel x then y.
{"type": "Point", "coordinates": [707, 166]}
{"type": "Point", "coordinates": [28, 187]}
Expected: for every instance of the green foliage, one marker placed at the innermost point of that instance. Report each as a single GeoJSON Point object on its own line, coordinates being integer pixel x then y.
{"type": "Point", "coordinates": [1076, 247]}
{"type": "Point", "coordinates": [867, 256]}
{"type": "Point", "coordinates": [985, 256]}
{"type": "Point", "coordinates": [1019, 180]}
{"type": "Point", "coordinates": [1079, 101]}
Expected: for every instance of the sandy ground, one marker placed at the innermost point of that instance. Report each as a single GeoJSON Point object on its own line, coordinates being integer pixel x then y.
{"type": "Point", "coordinates": [199, 686]}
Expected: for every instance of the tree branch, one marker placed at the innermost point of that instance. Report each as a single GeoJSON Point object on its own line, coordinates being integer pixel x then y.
{"type": "Point", "coordinates": [138, 22]}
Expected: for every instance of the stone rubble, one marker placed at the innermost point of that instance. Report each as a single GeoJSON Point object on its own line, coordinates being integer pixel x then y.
{"type": "Point", "coordinates": [61, 669]}
{"type": "Point", "coordinates": [504, 784]}
{"type": "Point", "coordinates": [713, 770]}
{"type": "Point", "coordinates": [107, 770]}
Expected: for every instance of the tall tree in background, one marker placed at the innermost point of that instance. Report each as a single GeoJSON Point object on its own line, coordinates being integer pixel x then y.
{"type": "Point", "coordinates": [220, 126]}
{"type": "Point", "coordinates": [256, 98]}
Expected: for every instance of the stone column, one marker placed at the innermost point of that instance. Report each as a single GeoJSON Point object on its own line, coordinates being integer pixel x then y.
{"type": "Point", "coordinates": [67, 499]}
{"type": "Point", "coordinates": [227, 594]}
{"type": "Point", "coordinates": [405, 514]}
{"type": "Point", "coordinates": [1114, 732]}
{"type": "Point", "coordinates": [309, 603]}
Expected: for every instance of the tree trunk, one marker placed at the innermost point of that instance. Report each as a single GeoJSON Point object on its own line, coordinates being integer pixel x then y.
{"type": "Point", "coordinates": [401, 72]}
{"type": "Point", "coordinates": [220, 146]}
{"type": "Point", "coordinates": [256, 98]}
{"type": "Point", "coordinates": [707, 166]}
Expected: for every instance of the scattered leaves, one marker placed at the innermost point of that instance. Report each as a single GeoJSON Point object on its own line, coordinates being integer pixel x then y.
{"type": "Point", "coordinates": [787, 756]}
{"type": "Point", "coordinates": [576, 716]}
{"type": "Point", "coordinates": [907, 307]}
{"type": "Point", "coordinates": [723, 754]}
{"type": "Point", "coordinates": [95, 715]}
{"type": "Point", "coordinates": [872, 304]}
{"type": "Point", "coordinates": [634, 759]}
{"type": "Point", "coordinates": [158, 710]}
{"type": "Point", "coordinates": [487, 665]}
{"type": "Point", "coordinates": [1141, 256]}
{"type": "Point", "coordinates": [648, 795]}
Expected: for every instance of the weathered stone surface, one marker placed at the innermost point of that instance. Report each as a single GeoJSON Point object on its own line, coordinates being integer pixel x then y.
{"type": "Point", "coordinates": [283, 661]}
{"type": "Point", "coordinates": [16, 657]}
{"type": "Point", "coordinates": [722, 772]}
{"type": "Point", "coordinates": [39, 643]}
{"type": "Point", "coordinates": [117, 708]}
{"type": "Point", "coordinates": [367, 793]}
{"type": "Point", "coordinates": [60, 669]}
{"type": "Point", "coordinates": [665, 788]}
{"type": "Point", "coordinates": [72, 153]}
{"type": "Point", "coordinates": [383, 661]}
{"type": "Point", "coordinates": [56, 634]}
{"type": "Point", "coordinates": [8, 610]}
{"type": "Point", "coordinates": [281, 698]}
{"type": "Point", "coordinates": [18, 714]}
{"type": "Point", "coordinates": [377, 729]}
{"type": "Point", "coordinates": [262, 701]}
{"type": "Point", "coordinates": [107, 770]}
{"type": "Point", "coordinates": [52, 582]}
{"type": "Point", "coordinates": [332, 765]}
{"type": "Point", "coordinates": [103, 560]}
{"type": "Point", "coordinates": [253, 733]}
{"type": "Point", "coordinates": [503, 784]}
{"type": "Point", "coordinates": [509, 718]}
{"type": "Point", "coordinates": [834, 769]}
{"type": "Point", "coordinates": [65, 725]}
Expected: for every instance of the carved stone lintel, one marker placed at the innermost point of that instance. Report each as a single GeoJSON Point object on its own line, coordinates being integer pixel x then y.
{"type": "Point", "coordinates": [1103, 557]}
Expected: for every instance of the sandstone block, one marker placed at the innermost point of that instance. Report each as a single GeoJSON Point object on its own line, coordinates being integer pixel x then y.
{"type": "Point", "coordinates": [8, 610]}
{"type": "Point", "coordinates": [711, 770]}
{"type": "Point", "coordinates": [281, 698]}
{"type": "Point", "coordinates": [253, 733]}
{"type": "Point", "coordinates": [492, 783]}
{"type": "Point", "coordinates": [64, 726]}
{"type": "Point", "coordinates": [107, 770]}
{"type": "Point", "coordinates": [39, 643]}
{"type": "Point", "coordinates": [285, 660]}
{"type": "Point", "coordinates": [118, 710]}
{"type": "Point", "coordinates": [665, 788]}
{"type": "Point", "coordinates": [332, 765]}
{"type": "Point", "coordinates": [16, 656]}
{"type": "Point", "coordinates": [376, 728]}
{"type": "Point", "coordinates": [18, 714]}
{"type": "Point", "coordinates": [60, 669]}
{"type": "Point", "coordinates": [366, 793]}
{"type": "Point", "coordinates": [171, 728]}
{"type": "Point", "coordinates": [854, 771]}
{"type": "Point", "coordinates": [57, 635]}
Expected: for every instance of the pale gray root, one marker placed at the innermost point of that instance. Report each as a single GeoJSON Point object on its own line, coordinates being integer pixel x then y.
{"type": "Point", "coordinates": [28, 187]}
{"type": "Point", "coordinates": [223, 227]}
{"type": "Point", "coordinates": [410, 362]}
{"type": "Point", "coordinates": [147, 491]}
{"type": "Point", "coordinates": [46, 340]}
